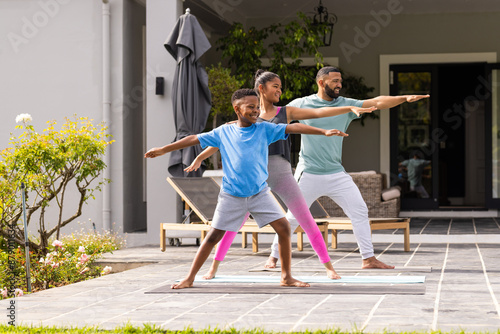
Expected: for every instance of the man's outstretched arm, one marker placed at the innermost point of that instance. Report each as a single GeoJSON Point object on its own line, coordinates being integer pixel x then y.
{"type": "Point", "coordinates": [304, 129]}
{"type": "Point", "coordinates": [178, 145]}
{"type": "Point", "coordinates": [386, 102]}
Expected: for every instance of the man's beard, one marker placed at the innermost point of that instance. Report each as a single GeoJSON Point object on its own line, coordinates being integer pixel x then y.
{"type": "Point", "coordinates": [331, 92]}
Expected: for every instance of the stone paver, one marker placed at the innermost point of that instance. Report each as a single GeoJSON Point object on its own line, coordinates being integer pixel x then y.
{"type": "Point", "coordinates": [462, 290]}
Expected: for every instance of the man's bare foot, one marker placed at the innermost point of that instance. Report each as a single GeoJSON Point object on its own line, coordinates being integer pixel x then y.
{"type": "Point", "coordinates": [330, 272]}
{"type": "Point", "coordinates": [213, 270]}
{"type": "Point", "coordinates": [271, 262]}
{"type": "Point", "coordinates": [185, 283]}
{"type": "Point", "coordinates": [293, 282]}
{"type": "Point", "coordinates": [373, 263]}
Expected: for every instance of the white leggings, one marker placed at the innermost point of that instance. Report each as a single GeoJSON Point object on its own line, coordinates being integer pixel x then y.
{"type": "Point", "coordinates": [342, 190]}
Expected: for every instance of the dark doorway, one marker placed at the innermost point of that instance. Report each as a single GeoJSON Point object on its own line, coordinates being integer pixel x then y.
{"type": "Point", "coordinates": [462, 153]}
{"type": "Point", "coordinates": [442, 138]}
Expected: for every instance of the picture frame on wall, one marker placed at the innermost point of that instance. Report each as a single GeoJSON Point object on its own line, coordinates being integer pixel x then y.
{"type": "Point", "coordinates": [402, 137]}
{"type": "Point", "coordinates": [410, 112]}
{"type": "Point", "coordinates": [417, 135]}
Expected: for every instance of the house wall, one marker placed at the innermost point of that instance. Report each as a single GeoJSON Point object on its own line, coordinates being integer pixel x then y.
{"type": "Point", "coordinates": [404, 34]}
{"type": "Point", "coordinates": [50, 65]}
{"type": "Point", "coordinates": [359, 40]}
{"type": "Point", "coordinates": [161, 17]}
{"type": "Point", "coordinates": [51, 68]}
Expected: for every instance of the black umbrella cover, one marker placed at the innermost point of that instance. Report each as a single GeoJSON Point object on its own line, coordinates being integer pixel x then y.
{"type": "Point", "coordinates": [190, 94]}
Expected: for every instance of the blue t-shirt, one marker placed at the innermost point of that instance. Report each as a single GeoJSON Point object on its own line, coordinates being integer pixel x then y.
{"type": "Point", "coordinates": [244, 153]}
{"type": "Point", "coordinates": [320, 154]}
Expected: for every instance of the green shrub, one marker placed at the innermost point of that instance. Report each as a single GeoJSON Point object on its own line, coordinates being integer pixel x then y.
{"type": "Point", "coordinates": [49, 163]}
{"type": "Point", "coordinates": [69, 260]}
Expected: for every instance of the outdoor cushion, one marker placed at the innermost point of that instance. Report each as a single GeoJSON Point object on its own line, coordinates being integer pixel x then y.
{"type": "Point", "coordinates": [391, 193]}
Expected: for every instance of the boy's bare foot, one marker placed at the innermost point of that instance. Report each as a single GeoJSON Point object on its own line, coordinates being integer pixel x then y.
{"type": "Point", "coordinates": [373, 263]}
{"type": "Point", "coordinates": [185, 283]}
{"type": "Point", "coordinates": [330, 272]}
{"type": "Point", "coordinates": [294, 282]}
{"type": "Point", "coordinates": [271, 262]}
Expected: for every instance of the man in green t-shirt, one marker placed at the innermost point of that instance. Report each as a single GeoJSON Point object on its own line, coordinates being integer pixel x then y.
{"type": "Point", "coordinates": [320, 171]}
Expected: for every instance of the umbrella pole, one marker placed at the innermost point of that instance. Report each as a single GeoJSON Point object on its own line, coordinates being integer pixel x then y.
{"type": "Point", "coordinates": [26, 241]}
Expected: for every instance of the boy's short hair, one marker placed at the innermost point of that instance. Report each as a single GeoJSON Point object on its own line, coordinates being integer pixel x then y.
{"type": "Point", "coordinates": [418, 154]}
{"type": "Point", "coordinates": [241, 93]}
{"type": "Point", "coordinates": [325, 71]}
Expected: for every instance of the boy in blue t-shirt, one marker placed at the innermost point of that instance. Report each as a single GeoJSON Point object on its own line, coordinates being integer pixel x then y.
{"type": "Point", "coordinates": [244, 150]}
{"type": "Point", "coordinates": [415, 167]}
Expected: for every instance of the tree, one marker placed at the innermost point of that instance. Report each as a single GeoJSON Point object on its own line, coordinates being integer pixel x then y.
{"type": "Point", "coordinates": [245, 50]}
{"type": "Point", "coordinates": [222, 85]}
{"type": "Point", "coordinates": [354, 86]}
{"type": "Point", "coordinates": [48, 164]}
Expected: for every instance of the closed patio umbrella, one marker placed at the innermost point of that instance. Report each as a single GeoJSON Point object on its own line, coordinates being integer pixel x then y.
{"type": "Point", "coordinates": [190, 94]}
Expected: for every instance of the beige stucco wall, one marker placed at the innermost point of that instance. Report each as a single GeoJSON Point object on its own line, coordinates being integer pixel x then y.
{"type": "Point", "coordinates": [358, 41]}
{"type": "Point", "coordinates": [51, 68]}
{"type": "Point", "coordinates": [405, 34]}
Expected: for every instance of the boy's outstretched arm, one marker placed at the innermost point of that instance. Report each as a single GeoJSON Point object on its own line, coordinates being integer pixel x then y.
{"type": "Point", "coordinates": [311, 130]}
{"type": "Point", "coordinates": [208, 152]}
{"type": "Point", "coordinates": [180, 144]}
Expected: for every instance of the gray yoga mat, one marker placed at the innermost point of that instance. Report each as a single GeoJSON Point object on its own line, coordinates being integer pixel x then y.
{"type": "Point", "coordinates": [315, 279]}
{"type": "Point", "coordinates": [424, 269]}
{"type": "Point", "coordinates": [259, 288]}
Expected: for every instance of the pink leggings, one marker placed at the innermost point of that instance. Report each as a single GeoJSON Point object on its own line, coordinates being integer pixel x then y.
{"type": "Point", "coordinates": [281, 181]}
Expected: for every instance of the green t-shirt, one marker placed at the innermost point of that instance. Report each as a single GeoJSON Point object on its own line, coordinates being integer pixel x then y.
{"type": "Point", "coordinates": [320, 154]}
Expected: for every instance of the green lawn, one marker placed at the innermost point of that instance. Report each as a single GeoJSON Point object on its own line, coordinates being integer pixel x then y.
{"type": "Point", "coordinates": [154, 329]}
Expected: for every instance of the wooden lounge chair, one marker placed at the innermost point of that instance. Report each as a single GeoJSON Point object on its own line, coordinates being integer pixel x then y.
{"type": "Point", "coordinates": [342, 223]}
{"type": "Point", "coordinates": [200, 194]}
{"type": "Point", "coordinates": [335, 224]}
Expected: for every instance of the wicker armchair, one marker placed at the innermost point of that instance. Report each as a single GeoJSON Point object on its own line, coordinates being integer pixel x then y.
{"type": "Point", "coordinates": [370, 186]}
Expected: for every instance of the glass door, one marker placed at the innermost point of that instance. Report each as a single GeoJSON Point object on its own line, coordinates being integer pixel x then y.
{"type": "Point", "coordinates": [445, 151]}
{"type": "Point", "coordinates": [414, 148]}
{"type": "Point", "coordinates": [493, 136]}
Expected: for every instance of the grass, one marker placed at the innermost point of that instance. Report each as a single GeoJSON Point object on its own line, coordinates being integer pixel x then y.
{"type": "Point", "coordinates": [150, 329]}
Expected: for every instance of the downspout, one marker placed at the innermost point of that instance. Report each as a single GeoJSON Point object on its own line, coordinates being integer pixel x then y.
{"type": "Point", "coordinates": [106, 110]}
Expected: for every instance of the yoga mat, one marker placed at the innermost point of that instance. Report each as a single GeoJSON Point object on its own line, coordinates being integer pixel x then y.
{"type": "Point", "coordinates": [353, 289]}
{"type": "Point", "coordinates": [315, 279]}
{"type": "Point", "coordinates": [424, 269]}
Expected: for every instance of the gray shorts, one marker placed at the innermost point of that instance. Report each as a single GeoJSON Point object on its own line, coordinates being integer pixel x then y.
{"type": "Point", "coordinates": [231, 210]}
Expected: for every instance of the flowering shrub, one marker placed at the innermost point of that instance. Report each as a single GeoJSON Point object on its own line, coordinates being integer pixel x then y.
{"type": "Point", "coordinates": [62, 266]}
{"type": "Point", "coordinates": [48, 163]}
{"type": "Point", "coordinates": [24, 118]}
{"type": "Point", "coordinates": [69, 260]}
{"type": "Point", "coordinates": [102, 242]}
